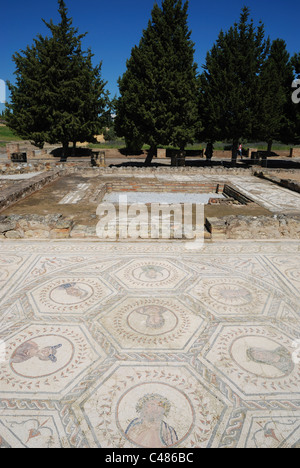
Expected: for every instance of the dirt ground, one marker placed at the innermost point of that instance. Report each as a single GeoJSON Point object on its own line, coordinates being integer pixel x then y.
{"type": "Point", "coordinates": [50, 200]}
{"type": "Point", "coordinates": [287, 175]}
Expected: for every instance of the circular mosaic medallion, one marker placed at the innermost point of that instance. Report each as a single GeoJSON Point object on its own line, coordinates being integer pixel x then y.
{"type": "Point", "coordinates": [71, 293]}
{"type": "Point", "coordinates": [154, 274]}
{"type": "Point", "coordinates": [230, 294]}
{"type": "Point", "coordinates": [151, 273]}
{"type": "Point", "coordinates": [152, 320]}
{"type": "Point", "coordinates": [261, 356]}
{"type": "Point", "coordinates": [145, 323]}
{"type": "Point", "coordinates": [42, 356]}
{"type": "Point", "coordinates": [150, 415]}
{"type": "Point", "coordinates": [153, 406]}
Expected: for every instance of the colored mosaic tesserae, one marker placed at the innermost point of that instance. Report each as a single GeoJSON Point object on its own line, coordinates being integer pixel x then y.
{"type": "Point", "coordinates": [150, 241]}
{"type": "Point", "coordinates": [149, 345]}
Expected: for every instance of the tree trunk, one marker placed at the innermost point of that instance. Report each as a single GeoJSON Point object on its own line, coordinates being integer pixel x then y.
{"type": "Point", "coordinates": [150, 155]}
{"type": "Point", "coordinates": [270, 144]}
{"type": "Point", "coordinates": [65, 151]}
{"type": "Point", "coordinates": [235, 146]}
{"type": "Point", "coordinates": [181, 158]}
{"type": "Point", "coordinates": [74, 148]}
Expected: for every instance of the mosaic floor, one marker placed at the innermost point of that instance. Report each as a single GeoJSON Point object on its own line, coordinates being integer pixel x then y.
{"type": "Point", "coordinates": [149, 345]}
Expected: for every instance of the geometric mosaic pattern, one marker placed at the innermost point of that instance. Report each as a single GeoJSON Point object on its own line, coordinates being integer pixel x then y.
{"type": "Point", "coordinates": [149, 345]}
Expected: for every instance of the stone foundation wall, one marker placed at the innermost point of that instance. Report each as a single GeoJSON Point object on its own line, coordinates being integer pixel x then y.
{"type": "Point", "coordinates": [231, 192]}
{"type": "Point", "coordinates": [286, 183]}
{"type": "Point", "coordinates": [15, 168]}
{"type": "Point", "coordinates": [229, 227]}
{"type": "Point", "coordinates": [35, 227]}
{"type": "Point", "coordinates": [167, 170]}
{"type": "Point", "coordinates": [258, 227]}
{"type": "Point", "coordinates": [165, 186]}
{"type": "Point", "coordinates": [24, 188]}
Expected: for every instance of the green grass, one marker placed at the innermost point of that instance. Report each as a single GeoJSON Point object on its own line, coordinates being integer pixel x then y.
{"type": "Point", "coordinates": [6, 135]}
{"type": "Point", "coordinates": [118, 144]}
{"type": "Point", "coordinates": [218, 146]}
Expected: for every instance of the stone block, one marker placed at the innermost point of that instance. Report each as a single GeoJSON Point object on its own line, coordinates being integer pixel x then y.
{"type": "Point", "coordinates": [78, 232]}
{"type": "Point", "coordinates": [64, 223]}
{"type": "Point", "coordinates": [60, 233]}
{"type": "Point", "coordinates": [295, 153]}
{"type": "Point", "coordinates": [216, 227]}
{"type": "Point", "coordinates": [161, 153]}
{"type": "Point", "coordinates": [7, 224]}
{"type": "Point", "coordinates": [31, 154]}
{"type": "Point", "coordinates": [15, 234]}
{"type": "Point", "coordinates": [37, 234]}
{"type": "Point", "coordinates": [91, 231]}
{"type": "Point", "coordinates": [12, 148]}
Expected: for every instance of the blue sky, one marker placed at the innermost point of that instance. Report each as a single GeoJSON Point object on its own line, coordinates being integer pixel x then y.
{"type": "Point", "coordinates": [115, 26]}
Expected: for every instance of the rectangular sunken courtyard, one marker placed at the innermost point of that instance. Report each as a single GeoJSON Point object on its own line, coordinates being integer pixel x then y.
{"type": "Point", "coordinates": [67, 206]}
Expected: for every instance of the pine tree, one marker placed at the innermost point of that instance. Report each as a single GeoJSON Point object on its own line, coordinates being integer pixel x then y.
{"type": "Point", "coordinates": [159, 90]}
{"type": "Point", "coordinates": [28, 112]}
{"type": "Point", "coordinates": [292, 132]}
{"type": "Point", "coordinates": [59, 96]}
{"type": "Point", "coordinates": [230, 90]}
{"type": "Point", "coordinates": [275, 81]}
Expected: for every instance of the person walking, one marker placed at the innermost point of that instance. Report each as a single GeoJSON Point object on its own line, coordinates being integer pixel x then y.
{"type": "Point", "coordinates": [240, 150]}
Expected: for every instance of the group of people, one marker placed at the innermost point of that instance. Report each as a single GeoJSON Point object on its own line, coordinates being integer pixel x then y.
{"type": "Point", "coordinates": [210, 151]}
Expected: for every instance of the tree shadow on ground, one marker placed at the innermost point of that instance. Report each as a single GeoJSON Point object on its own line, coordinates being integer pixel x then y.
{"type": "Point", "coordinates": [78, 152]}
{"type": "Point", "coordinates": [138, 164]}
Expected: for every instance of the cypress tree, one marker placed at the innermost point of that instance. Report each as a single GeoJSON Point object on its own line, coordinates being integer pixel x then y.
{"type": "Point", "coordinates": [59, 95]}
{"type": "Point", "coordinates": [292, 130]}
{"type": "Point", "coordinates": [159, 90]}
{"type": "Point", "coordinates": [275, 81]}
{"type": "Point", "coordinates": [230, 82]}
{"type": "Point", "coordinates": [28, 113]}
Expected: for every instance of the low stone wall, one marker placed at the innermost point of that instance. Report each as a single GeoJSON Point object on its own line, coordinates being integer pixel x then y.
{"type": "Point", "coordinates": [165, 186]}
{"type": "Point", "coordinates": [24, 188]}
{"type": "Point", "coordinates": [231, 192]}
{"type": "Point", "coordinates": [258, 227]}
{"type": "Point", "coordinates": [35, 227]}
{"type": "Point", "coordinates": [13, 168]}
{"type": "Point", "coordinates": [167, 170]}
{"type": "Point", "coordinates": [229, 227]}
{"type": "Point", "coordinates": [286, 183]}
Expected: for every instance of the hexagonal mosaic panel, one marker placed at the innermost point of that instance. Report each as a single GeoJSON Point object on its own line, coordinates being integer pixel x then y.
{"type": "Point", "coordinates": [152, 407]}
{"type": "Point", "coordinates": [231, 296]}
{"type": "Point", "coordinates": [151, 323]}
{"type": "Point", "coordinates": [149, 274]}
{"type": "Point", "coordinates": [69, 295]}
{"type": "Point", "coordinates": [47, 359]}
{"type": "Point", "coordinates": [256, 359]}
